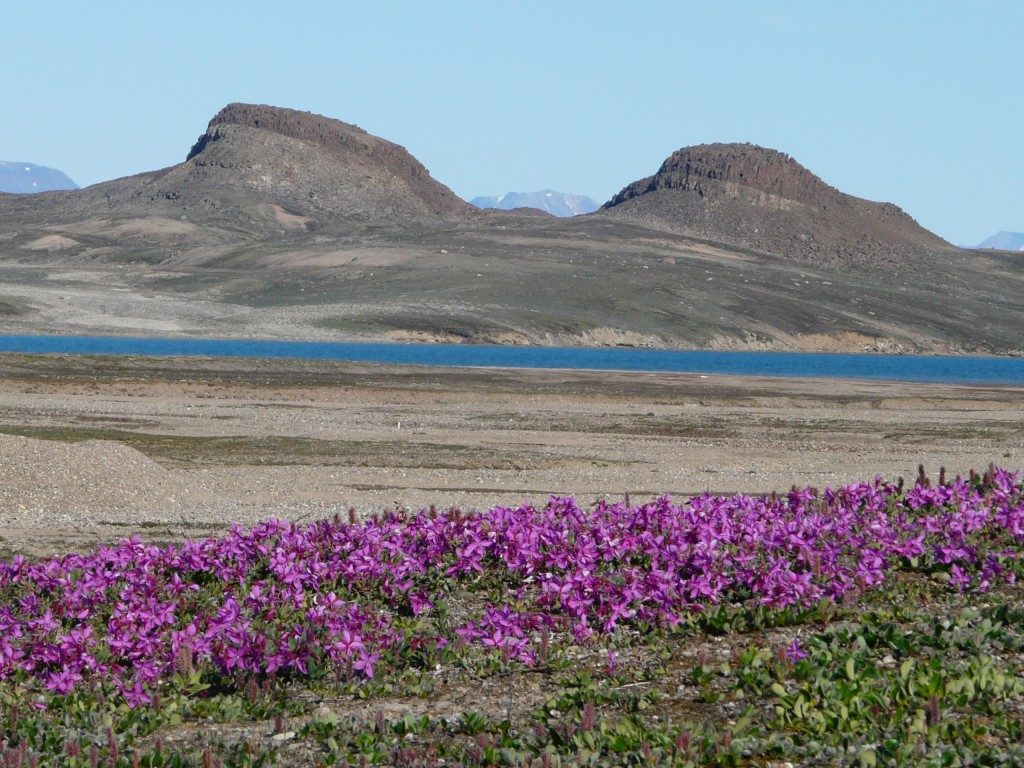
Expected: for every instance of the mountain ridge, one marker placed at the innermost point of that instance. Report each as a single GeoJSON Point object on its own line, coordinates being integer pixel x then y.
{"type": "Point", "coordinates": [257, 172]}
{"type": "Point", "coordinates": [548, 200]}
{"type": "Point", "coordinates": [28, 178]}
{"type": "Point", "coordinates": [1004, 241]}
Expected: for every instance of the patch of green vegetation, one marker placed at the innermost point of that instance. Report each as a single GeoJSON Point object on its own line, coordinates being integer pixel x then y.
{"type": "Point", "coordinates": [163, 525]}
{"type": "Point", "coordinates": [962, 431]}
{"type": "Point", "coordinates": [648, 425]}
{"type": "Point", "coordinates": [893, 688]}
{"type": "Point", "coordinates": [915, 675]}
{"type": "Point", "coordinates": [282, 450]}
{"type": "Point", "coordinates": [12, 308]}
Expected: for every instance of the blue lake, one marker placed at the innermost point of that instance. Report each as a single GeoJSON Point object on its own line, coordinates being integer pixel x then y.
{"type": "Point", "coordinates": [984, 370]}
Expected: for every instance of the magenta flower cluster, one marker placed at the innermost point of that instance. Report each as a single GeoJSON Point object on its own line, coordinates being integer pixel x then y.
{"type": "Point", "coordinates": [343, 598]}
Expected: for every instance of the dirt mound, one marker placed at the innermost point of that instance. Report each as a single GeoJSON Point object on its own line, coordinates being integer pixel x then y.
{"type": "Point", "coordinates": [51, 243]}
{"type": "Point", "coordinates": [762, 199]}
{"type": "Point", "coordinates": [79, 480]}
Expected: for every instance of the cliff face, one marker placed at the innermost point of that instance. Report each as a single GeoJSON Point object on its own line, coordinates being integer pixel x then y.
{"type": "Point", "coordinates": [762, 199]}
{"type": "Point", "coordinates": [759, 169]}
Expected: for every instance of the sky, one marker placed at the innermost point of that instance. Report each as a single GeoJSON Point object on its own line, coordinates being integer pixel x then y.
{"type": "Point", "coordinates": [917, 103]}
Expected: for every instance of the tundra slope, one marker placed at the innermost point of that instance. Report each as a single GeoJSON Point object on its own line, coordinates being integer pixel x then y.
{"type": "Point", "coordinates": [285, 224]}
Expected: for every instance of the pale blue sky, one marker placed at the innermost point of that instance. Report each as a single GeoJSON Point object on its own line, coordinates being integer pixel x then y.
{"type": "Point", "coordinates": [918, 103]}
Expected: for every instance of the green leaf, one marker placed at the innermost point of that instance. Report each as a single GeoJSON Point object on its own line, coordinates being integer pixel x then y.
{"type": "Point", "coordinates": [906, 668]}
{"type": "Point", "coordinates": [851, 669]}
{"type": "Point", "coordinates": [867, 758]}
{"type": "Point", "coordinates": [800, 707]}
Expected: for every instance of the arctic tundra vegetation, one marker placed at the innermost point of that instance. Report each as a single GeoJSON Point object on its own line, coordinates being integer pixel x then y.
{"type": "Point", "coordinates": [272, 614]}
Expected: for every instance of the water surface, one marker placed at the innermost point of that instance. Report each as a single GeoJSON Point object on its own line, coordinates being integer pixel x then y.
{"type": "Point", "coordinates": [924, 368]}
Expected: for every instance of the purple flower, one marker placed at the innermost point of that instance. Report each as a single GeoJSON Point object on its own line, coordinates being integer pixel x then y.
{"type": "Point", "coordinates": [959, 578]}
{"type": "Point", "coordinates": [331, 594]}
{"type": "Point", "coordinates": [365, 663]}
{"type": "Point", "coordinates": [794, 651]}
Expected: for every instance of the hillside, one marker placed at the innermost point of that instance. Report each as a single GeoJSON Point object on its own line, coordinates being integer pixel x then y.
{"type": "Point", "coordinates": [257, 172]}
{"type": "Point", "coordinates": [27, 178]}
{"type": "Point", "coordinates": [762, 199]}
{"type": "Point", "coordinates": [318, 167]}
{"type": "Point", "coordinates": [547, 200]}
{"type": "Point", "coordinates": [284, 224]}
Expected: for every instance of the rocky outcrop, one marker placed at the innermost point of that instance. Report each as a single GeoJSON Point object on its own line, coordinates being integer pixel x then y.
{"type": "Point", "coordinates": [764, 200]}
{"type": "Point", "coordinates": [348, 170]}
{"type": "Point", "coordinates": [257, 172]}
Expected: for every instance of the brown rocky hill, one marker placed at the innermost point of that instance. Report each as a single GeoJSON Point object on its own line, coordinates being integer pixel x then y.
{"type": "Point", "coordinates": [311, 165]}
{"type": "Point", "coordinates": [764, 200]}
{"type": "Point", "coordinates": [283, 224]}
{"type": "Point", "coordinates": [257, 171]}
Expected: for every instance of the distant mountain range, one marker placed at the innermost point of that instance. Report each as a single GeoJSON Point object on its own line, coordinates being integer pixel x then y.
{"type": "Point", "coordinates": [1005, 241]}
{"type": "Point", "coordinates": [21, 178]}
{"type": "Point", "coordinates": [555, 203]}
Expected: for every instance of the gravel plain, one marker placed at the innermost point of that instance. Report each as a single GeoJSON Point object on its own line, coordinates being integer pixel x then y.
{"type": "Point", "coordinates": [93, 449]}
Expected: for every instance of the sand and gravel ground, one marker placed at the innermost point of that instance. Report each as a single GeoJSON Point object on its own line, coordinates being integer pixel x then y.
{"type": "Point", "coordinates": [93, 449]}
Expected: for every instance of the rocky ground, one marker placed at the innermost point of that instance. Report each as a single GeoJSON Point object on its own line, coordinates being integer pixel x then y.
{"type": "Point", "coordinates": [93, 449]}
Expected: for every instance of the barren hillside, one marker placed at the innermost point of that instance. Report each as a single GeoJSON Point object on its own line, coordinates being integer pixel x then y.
{"type": "Point", "coordinates": [760, 198]}
{"type": "Point", "coordinates": [289, 225]}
